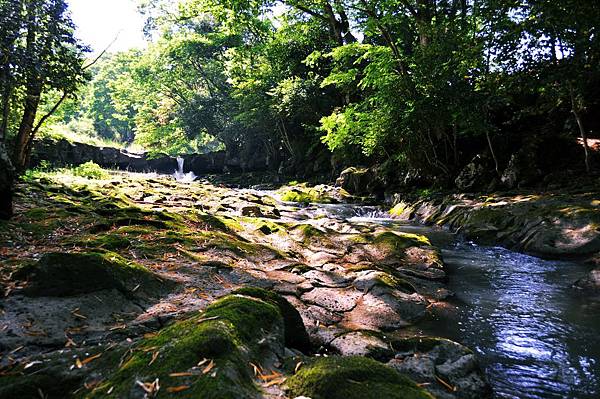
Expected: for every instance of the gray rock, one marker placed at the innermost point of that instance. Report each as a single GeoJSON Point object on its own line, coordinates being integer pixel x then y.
{"type": "Point", "coordinates": [361, 343]}
{"type": "Point", "coordinates": [476, 174]}
{"type": "Point", "coordinates": [428, 360]}
{"type": "Point", "coordinates": [333, 299]}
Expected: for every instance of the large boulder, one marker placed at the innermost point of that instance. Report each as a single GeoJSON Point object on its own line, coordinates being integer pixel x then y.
{"type": "Point", "coordinates": [523, 169]}
{"type": "Point", "coordinates": [441, 364]}
{"type": "Point", "coordinates": [355, 180]}
{"type": "Point", "coordinates": [476, 175]}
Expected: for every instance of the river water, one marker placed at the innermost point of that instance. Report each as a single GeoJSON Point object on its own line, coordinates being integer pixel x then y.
{"type": "Point", "coordinates": [535, 336]}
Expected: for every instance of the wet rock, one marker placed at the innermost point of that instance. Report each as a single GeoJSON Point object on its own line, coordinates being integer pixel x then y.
{"type": "Point", "coordinates": [426, 360]}
{"type": "Point", "coordinates": [591, 282]}
{"type": "Point", "coordinates": [335, 300]}
{"type": "Point", "coordinates": [362, 343]}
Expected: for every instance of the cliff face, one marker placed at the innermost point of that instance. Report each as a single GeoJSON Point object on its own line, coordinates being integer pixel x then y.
{"type": "Point", "coordinates": [63, 152]}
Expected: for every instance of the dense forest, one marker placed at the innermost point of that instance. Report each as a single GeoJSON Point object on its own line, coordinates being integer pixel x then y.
{"type": "Point", "coordinates": [416, 86]}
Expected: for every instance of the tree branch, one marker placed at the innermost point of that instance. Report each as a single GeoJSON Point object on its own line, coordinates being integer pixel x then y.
{"type": "Point", "coordinates": [83, 68]}
{"type": "Point", "coordinates": [49, 114]}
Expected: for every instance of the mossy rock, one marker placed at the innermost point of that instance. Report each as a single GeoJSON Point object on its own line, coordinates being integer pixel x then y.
{"type": "Point", "coordinates": [67, 274]}
{"type": "Point", "coordinates": [400, 241]}
{"type": "Point", "coordinates": [232, 332]}
{"type": "Point", "coordinates": [352, 377]}
{"type": "Point", "coordinates": [108, 242]}
{"type": "Point", "coordinates": [295, 331]}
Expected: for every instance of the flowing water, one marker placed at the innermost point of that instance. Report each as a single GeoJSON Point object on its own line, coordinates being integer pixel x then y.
{"type": "Point", "coordinates": [535, 336]}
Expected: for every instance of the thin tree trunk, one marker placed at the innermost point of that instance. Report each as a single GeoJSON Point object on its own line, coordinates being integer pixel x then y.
{"type": "Point", "coordinates": [492, 152]}
{"type": "Point", "coordinates": [582, 132]}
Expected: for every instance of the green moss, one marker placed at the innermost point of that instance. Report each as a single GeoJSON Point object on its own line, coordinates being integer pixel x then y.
{"type": "Point", "coordinates": [64, 274]}
{"type": "Point", "coordinates": [394, 282]}
{"type": "Point", "coordinates": [306, 196]}
{"type": "Point", "coordinates": [109, 242]}
{"type": "Point", "coordinates": [264, 226]}
{"type": "Point", "coordinates": [352, 378]}
{"type": "Point", "coordinates": [399, 209]}
{"type": "Point", "coordinates": [295, 332]}
{"type": "Point", "coordinates": [229, 333]}
{"type": "Point", "coordinates": [397, 240]}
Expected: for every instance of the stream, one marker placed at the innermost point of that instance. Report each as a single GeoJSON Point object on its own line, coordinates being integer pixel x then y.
{"type": "Point", "coordinates": [535, 336]}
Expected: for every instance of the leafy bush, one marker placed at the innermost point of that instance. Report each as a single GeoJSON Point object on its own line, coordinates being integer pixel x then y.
{"type": "Point", "coordinates": [90, 170]}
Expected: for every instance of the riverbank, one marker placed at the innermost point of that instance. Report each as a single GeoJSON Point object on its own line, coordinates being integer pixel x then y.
{"type": "Point", "coordinates": [133, 285]}
{"type": "Point", "coordinates": [551, 225]}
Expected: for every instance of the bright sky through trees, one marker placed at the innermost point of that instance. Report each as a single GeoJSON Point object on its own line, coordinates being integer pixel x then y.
{"type": "Point", "coordinates": [99, 22]}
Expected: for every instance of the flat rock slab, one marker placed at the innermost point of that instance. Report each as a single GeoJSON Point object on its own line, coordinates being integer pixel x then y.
{"type": "Point", "coordinates": [386, 311]}
{"type": "Point", "coordinates": [333, 299]}
{"type": "Point", "coordinates": [361, 343]}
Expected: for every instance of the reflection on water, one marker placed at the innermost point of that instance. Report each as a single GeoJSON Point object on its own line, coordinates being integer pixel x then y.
{"type": "Point", "coordinates": [535, 336]}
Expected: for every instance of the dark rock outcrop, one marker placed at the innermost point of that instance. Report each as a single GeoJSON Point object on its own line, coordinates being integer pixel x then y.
{"type": "Point", "coordinates": [65, 153]}
{"type": "Point", "coordinates": [476, 174]}
{"type": "Point", "coordinates": [355, 180]}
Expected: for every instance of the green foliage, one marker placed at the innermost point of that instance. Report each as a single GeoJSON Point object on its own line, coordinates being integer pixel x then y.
{"type": "Point", "coordinates": [90, 170]}
{"type": "Point", "coordinates": [428, 84]}
{"type": "Point", "coordinates": [41, 64]}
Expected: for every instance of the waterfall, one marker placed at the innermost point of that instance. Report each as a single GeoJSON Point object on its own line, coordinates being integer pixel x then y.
{"type": "Point", "coordinates": [179, 175]}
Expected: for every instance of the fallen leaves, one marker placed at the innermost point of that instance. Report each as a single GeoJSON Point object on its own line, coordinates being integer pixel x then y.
{"type": "Point", "coordinates": [118, 327]}
{"type": "Point", "coordinates": [75, 312]}
{"type": "Point", "coordinates": [179, 388]}
{"type": "Point", "coordinates": [31, 364]}
{"type": "Point", "coordinates": [70, 342]}
{"type": "Point", "coordinates": [209, 367]}
{"type": "Point", "coordinates": [186, 374]}
{"type": "Point", "coordinates": [154, 357]}
{"type": "Point", "coordinates": [203, 319]}
{"type": "Point", "coordinates": [446, 385]}
{"type": "Point", "coordinates": [80, 363]}
{"type": "Point", "coordinates": [274, 378]}
{"type": "Point", "coordinates": [151, 388]}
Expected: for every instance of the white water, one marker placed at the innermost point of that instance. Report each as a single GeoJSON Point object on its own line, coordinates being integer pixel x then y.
{"type": "Point", "coordinates": [179, 175]}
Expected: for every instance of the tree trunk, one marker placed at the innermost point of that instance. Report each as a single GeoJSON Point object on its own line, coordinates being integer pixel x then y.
{"type": "Point", "coordinates": [7, 176]}
{"type": "Point", "coordinates": [24, 135]}
{"type": "Point", "coordinates": [586, 147]}
{"type": "Point", "coordinates": [576, 112]}
{"type": "Point", "coordinates": [5, 107]}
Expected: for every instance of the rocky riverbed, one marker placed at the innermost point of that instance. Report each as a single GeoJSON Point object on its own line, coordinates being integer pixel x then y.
{"type": "Point", "coordinates": [136, 285]}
